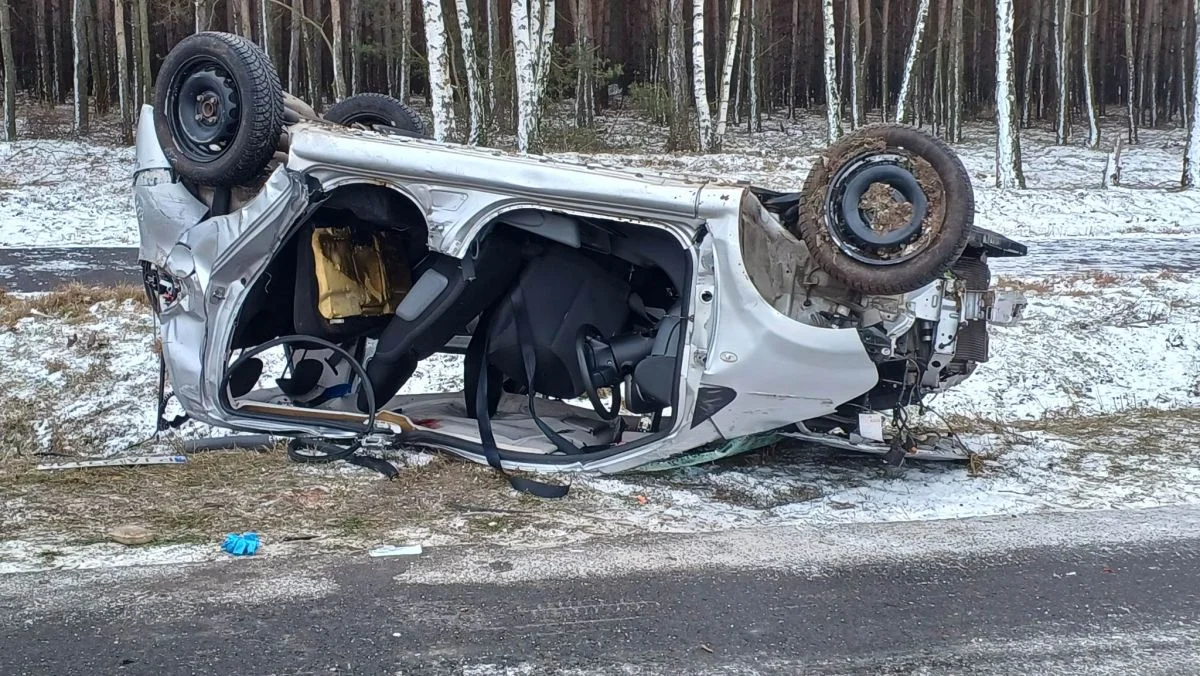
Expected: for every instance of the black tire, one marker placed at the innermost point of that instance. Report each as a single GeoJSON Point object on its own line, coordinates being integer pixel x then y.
{"type": "Point", "coordinates": [231, 83]}
{"type": "Point", "coordinates": [847, 242]}
{"type": "Point", "coordinates": [372, 109]}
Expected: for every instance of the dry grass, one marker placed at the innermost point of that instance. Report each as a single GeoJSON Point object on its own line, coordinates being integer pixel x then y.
{"type": "Point", "coordinates": [70, 303]}
{"type": "Point", "coordinates": [218, 492]}
{"type": "Point", "coordinates": [1099, 279]}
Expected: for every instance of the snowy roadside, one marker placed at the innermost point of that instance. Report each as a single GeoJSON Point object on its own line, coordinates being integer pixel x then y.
{"type": "Point", "coordinates": [76, 193]}
{"type": "Point", "coordinates": [1083, 406]}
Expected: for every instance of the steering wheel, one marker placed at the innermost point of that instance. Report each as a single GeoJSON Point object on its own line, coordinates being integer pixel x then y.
{"type": "Point", "coordinates": [585, 346]}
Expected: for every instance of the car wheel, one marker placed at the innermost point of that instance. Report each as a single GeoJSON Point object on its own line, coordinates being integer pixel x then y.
{"type": "Point", "coordinates": [887, 209]}
{"type": "Point", "coordinates": [372, 109]}
{"type": "Point", "coordinates": [218, 109]}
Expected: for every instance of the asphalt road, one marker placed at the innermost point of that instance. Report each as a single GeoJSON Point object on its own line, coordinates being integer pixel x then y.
{"type": "Point", "coordinates": [43, 269]}
{"type": "Point", "coordinates": [1103, 593]}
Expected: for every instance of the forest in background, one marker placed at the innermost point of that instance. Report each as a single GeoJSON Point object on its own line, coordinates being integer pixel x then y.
{"type": "Point", "coordinates": [697, 66]}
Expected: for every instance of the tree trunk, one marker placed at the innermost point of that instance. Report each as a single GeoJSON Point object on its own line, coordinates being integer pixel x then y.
{"type": "Point", "coordinates": [699, 77]}
{"type": "Point", "coordinates": [1062, 57]}
{"type": "Point", "coordinates": [885, 94]}
{"type": "Point", "coordinates": [1008, 140]}
{"type": "Point", "coordinates": [294, 47]}
{"type": "Point", "coordinates": [265, 26]}
{"type": "Point", "coordinates": [956, 72]}
{"type": "Point", "coordinates": [1131, 108]}
{"type": "Point", "coordinates": [10, 73]}
{"type": "Point", "coordinates": [1191, 161]}
{"type": "Point", "coordinates": [493, 23]}
{"type": "Point", "coordinates": [1089, 85]}
{"type": "Point", "coordinates": [245, 26]}
{"type": "Point", "coordinates": [585, 64]}
{"type": "Point", "coordinates": [1031, 55]}
{"type": "Point", "coordinates": [338, 58]}
{"type": "Point", "coordinates": [316, 46]}
{"type": "Point", "coordinates": [1155, 49]}
{"type": "Point", "coordinates": [78, 48]}
{"type": "Point", "coordinates": [833, 99]}
{"type": "Point", "coordinates": [941, 45]}
{"type": "Point", "coordinates": [794, 62]}
{"type": "Point", "coordinates": [1181, 86]}
{"type": "Point", "coordinates": [854, 26]}
{"type": "Point", "coordinates": [45, 74]}
{"type": "Point", "coordinates": [56, 49]}
{"type": "Point", "coordinates": [441, 95]}
{"type": "Point", "coordinates": [144, 79]}
{"type": "Point", "coordinates": [403, 47]}
{"type": "Point", "coordinates": [903, 111]}
{"type": "Point", "coordinates": [731, 47]}
{"type": "Point", "coordinates": [99, 83]}
{"type": "Point", "coordinates": [122, 70]}
{"type": "Point", "coordinates": [752, 64]}
{"type": "Point", "coordinates": [677, 139]}
{"type": "Point", "coordinates": [474, 86]}
{"type": "Point", "coordinates": [355, 47]}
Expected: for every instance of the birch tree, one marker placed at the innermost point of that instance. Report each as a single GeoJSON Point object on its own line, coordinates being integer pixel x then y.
{"type": "Point", "coordinates": [731, 48]}
{"type": "Point", "coordinates": [1089, 84]}
{"type": "Point", "coordinates": [355, 47]}
{"type": "Point", "coordinates": [202, 10]}
{"type": "Point", "coordinates": [699, 76]}
{"type": "Point", "coordinates": [910, 62]}
{"type": "Point", "coordinates": [122, 69]}
{"type": "Point", "coordinates": [885, 92]}
{"type": "Point", "coordinates": [1062, 55]}
{"type": "Point", "coordinates": [533, 35]}
{"type": "Point", "coordinates": [10, 73]}
{"type": "Point", "coordinates": [493, 26]}
{"type": "Point", "coordinates": [833, 100]}
{"type": "Point", "coordinates": [339, 81]}
{"type": "Point", "coordinates": [585, 66]}
{"type": "Point", "coordinates": [441, 96]}
{"type": "Point", "coordinates": [1191, 161]}
{"type": "Point", "coordinates": [79, 50]}
{"type": "Point", "coordinates": [403, 47]}
{"type": "Point", "coordinates": [474, 86]}
{"type": "Point", "coordinates": [264, 27]}
{"type": "Point", "coordinates": [1008, 142]}
{"type": "Point", "coordinates": [752, 67]}
{"type": "Point", "coordinates": [956, 72]}
{"type": "Point", "coordinates": [145, 81]}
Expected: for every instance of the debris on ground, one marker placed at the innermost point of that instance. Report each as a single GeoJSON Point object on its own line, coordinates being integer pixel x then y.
{"type": "Point", "coordinates": [131, 535]}
{"type": "Point", "coordinates": [129, 461]}
{"type": "Point", "coordinates": [245, 544]}
{"type": "Point", "coordinates": [396, 550]}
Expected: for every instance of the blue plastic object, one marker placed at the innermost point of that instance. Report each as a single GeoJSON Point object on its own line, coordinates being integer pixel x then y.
{"type": "Point", "coordinates": [245, 544]}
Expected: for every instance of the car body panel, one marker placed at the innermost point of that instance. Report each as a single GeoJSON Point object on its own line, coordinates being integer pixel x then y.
{"type": "Point", "coordinates": [779, 370]}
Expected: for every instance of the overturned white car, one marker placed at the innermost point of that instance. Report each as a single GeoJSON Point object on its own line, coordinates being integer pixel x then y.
{"type": "Point", "coordinates": [609, 319]}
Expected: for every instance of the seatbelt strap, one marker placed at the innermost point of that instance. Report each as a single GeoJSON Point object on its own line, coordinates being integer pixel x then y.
{"type": "Point", "coordinates": [483, 416]}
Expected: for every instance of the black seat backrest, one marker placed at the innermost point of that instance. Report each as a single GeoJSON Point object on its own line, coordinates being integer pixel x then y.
{"type": "Point", "coordinates": [447, 293]}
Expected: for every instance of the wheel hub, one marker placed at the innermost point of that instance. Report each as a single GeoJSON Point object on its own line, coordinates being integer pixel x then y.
{"type": "Point", "coordinates": [203, 109]}
{"type": "Point", "coordinates": [875, 209]}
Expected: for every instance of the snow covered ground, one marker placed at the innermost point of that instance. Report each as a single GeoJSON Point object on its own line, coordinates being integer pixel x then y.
{"type": "Point", "coordinates": [1092, 402]}
{"type": "Point", "coordinates": [76, 193]}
